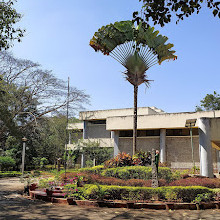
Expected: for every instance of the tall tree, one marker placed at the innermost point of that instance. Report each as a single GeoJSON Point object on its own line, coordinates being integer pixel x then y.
{"type": "Point", "coordinates": [8, 19]}
{"type": "Point", "coordinates": [210, 102]}
{"type": "Point", "coordinates": [161, 11]}
{"type": "Point", "coordinates": [137, 49]}
{"type": "Point", "coordinates": [29, 93]}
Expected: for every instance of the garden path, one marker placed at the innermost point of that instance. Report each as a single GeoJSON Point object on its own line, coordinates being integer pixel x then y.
{"type": "Point", "coordinates": [14, 206]}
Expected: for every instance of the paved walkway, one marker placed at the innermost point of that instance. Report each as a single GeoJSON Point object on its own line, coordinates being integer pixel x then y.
{"type": "Point", "coordinates": [14, 206]}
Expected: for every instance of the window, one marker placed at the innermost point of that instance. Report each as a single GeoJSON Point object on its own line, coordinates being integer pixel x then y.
{"type": "Point", "coordinates": [98, 122]}
{"type": "Point", "coordinates": [181, 132]}
{"type": "Point", "coordinates": [140, 133]}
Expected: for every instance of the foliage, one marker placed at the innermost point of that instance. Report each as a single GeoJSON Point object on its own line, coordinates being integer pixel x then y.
{"type": "Point", "coordinates": [137, 172]}
{"type": "Point", "coordinates": [8, 18]}
{"type": "Point", "coordinates": [73, 155]}
{"type": "Point", "coordinates": [142, 158]}
{"type": "Point", "coordinates": [71, 190]}
{"type": "Point", "coordinates": [162, 11]}
{"type": "Point", "coordinates": [27, 95]}
{"type": "Point", "coordinates": [185, 194]}
{"type": "Point", "coordinates": [205, 197]}
{"type": "Point", "coordinates": [96, 169]}
{"type": "Point", "coordinates": [92, 150]}
{"type": "Point", "coordinates": [191, 181]}
{"type": "Point", "coordinates": [122, 159]}
{"type": "Point", "coordinates": [49, 183]}
{"type": "Point", "coordinates": [112, 35]}
{"type": "Point", "coordinates": [43, 162]}
{"type": "Point", "coordinates": [9, 174]}
{"type": "Point", "coordinates": [210, 102]}
{"type": "Point", "coordinates": [6, 163]}
{"type": "Point", "coordinates": [98, 179]}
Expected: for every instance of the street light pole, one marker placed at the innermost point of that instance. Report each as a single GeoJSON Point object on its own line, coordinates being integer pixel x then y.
{"type": "Point", "coordinates": [24, 139]}
{"type": "Point", "coordinates": [189, 124]}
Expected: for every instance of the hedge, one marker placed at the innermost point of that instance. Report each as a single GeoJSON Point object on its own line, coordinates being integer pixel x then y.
{"type": "Point", "coordinates": [10, 174]}
{"type": "Point", "coordinates": [137, 172]}
{"type": "Point", "coordinates": [184, 194]}
{"type": "Point", "coordinates": [95, 170]}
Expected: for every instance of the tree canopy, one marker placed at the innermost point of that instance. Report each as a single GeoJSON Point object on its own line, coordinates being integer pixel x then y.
{"type": "Point", "coordinates": [33, 104]}
{"type": "Point", "coordinates": [8, 18]}
{"type": "Point", "coordinates": [161, 11]}
{"type": "Point", "coordinates": [210, 102]}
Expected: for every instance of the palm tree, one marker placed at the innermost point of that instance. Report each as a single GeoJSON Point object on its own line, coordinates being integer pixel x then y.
{"type": "Point", "coordinates": [137, 49]}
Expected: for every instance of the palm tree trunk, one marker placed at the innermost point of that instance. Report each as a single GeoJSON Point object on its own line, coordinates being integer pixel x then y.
{"type": "Point", "coordinates": [135, 120]}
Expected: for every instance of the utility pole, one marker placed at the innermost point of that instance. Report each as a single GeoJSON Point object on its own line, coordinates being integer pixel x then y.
{"type": "Point", "coordinates": [67, 123]}
{"type": "Point", "coordinates": [24, 139]}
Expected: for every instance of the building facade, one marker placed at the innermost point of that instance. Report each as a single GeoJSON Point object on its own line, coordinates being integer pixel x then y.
{"type": "Point", "coordinates": [166, 132]}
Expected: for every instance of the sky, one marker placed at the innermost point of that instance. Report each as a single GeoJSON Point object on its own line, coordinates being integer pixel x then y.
{"type": "Point", "coordinates": [58, 34]}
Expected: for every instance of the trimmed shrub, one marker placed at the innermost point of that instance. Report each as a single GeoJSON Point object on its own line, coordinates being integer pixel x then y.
{"type": "Point", "coordinates": [137, 172]}
{"type": "Point", "coordinates": [185, 194]}
{"type": "Point", "coordinates": [192, 181]}
{"type": "Point", "coordinates": [94, 170]}
{"type": "Point", "coordinates": [10, 174]}
{"type": "Point", "coordinates": [119, 192]}
{"type": "Point", "coordinates": [93, 179]}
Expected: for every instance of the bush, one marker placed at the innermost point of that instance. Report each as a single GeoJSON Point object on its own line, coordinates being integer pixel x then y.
{"type": "Point", "coordinates": [205, 197]}
{"type": "Point", "coordinates": [185, 194]}
{"type": "Point", "coordinates": [95, 169]}
{"type": "Point", "coordinates": [137, 172]}
{"type": "Point", "coordinates": [7, 163]}
{"type": "Point", "coordinates": [118, 192]}
{"type": "Point", "coordinates": [195, 181]}
{"type": "Point", "coordinates": [93, 179]}
{"type": "Point", "coordinates": [142, 158]}
{"type": "Point", "coordinates": [10, 174]}
{"type": "Point", "coordinates": [121, 160]}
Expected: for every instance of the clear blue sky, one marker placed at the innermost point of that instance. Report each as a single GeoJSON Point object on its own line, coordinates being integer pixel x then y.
{"type": "Point", "coordinates": [58, 34]}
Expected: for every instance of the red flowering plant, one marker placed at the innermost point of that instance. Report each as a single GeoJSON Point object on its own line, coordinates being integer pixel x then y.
{"type": "Point", "coordinates": [121, 160]}
{"type": "Point", "coordinates": [72, 187]}
{"type": "Point", "coordinates": [71, 190]}
{"type": "Point", "coordinates": [142, 158]}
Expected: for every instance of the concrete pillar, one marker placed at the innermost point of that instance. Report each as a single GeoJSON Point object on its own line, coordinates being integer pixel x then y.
{"type": "Point", "coordinates": [85, 129]}
{"type": "Point", "coordinates": [205, 148]}
{"type": "Point", "coordinates": [163, 145]}
{"type": "Point", "coordinates": [218, 161]}
{"type": "Point", "coordinates": [82, 160]}
{"type": "Point", "coordinates": [115, 136]}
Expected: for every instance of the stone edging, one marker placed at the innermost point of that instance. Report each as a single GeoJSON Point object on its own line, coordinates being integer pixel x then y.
{"type": "Point", "coordinates": [131, 205]}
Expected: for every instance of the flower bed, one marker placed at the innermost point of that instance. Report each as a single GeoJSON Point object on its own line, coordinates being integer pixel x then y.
{"type": "Point", "coordinates": [112, 185]}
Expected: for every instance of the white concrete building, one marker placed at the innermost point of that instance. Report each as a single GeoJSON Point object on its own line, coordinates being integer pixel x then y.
{"type": "Point", "coordinates": [159, 130]}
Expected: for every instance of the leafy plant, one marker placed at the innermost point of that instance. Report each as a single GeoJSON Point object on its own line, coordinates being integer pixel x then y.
{"type": "Point", "coordinates": [142, 158]}
{"type": "Point", "coordinates": [122, 159]}
{"type": "Point", "coordinates": [191, 181]}
{"type": "Point", "coordinates": [43, 162]}
{"type": "Point", "coordinates": [204, 197]}
{"type": "Point", "coordinates": [71, 190]}
{"type": "Point", "coordinates": [6, 163]}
